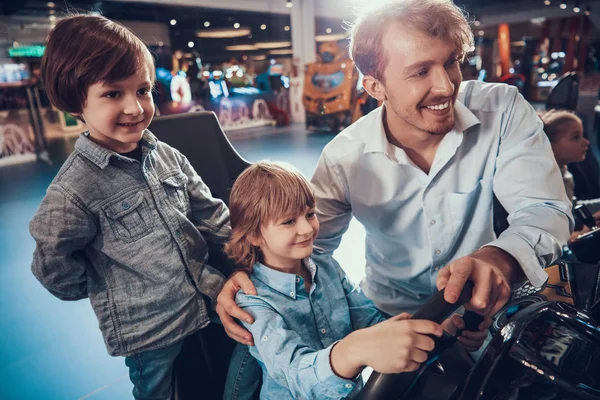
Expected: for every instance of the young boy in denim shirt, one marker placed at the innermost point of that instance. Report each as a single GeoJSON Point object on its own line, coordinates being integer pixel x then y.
{"type": "Point", "coordinates": [314, 331]}
{"type": "Point", "coordinates": [125, 219]}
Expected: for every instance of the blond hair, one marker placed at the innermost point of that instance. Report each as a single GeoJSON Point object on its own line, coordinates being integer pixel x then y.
{"type": "Point", "coordinates": [264, 192]}
{"type": "Point", "coordinates": [554, 119]}
{"type": "Point", "coordinates": [441, 19]}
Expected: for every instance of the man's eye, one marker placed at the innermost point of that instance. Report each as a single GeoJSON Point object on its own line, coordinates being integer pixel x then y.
{"type": "Point", "coordinates": [451, 61]}
{"type": "Point", "coordinates": [422, 72]}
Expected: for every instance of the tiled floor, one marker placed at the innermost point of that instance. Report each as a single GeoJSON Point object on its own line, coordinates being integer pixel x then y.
{"type": "Point", "coordinates": [50, 349]}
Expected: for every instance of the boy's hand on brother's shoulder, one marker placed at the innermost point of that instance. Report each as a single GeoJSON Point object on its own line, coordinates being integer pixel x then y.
{"type": "Point", "coordinates": [228, 309]}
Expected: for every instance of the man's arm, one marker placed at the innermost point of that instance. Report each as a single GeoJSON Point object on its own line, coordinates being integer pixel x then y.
{"type": "Point", "coordinates": [529, 186]}
{"type": "Point", "coordinates": [62, 228]}
{"type": "Point", "coordinates": [333, 204]}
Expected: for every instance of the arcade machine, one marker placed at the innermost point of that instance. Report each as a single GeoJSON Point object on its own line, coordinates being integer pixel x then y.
{"type": "Point", "coordinates": [330, 97]}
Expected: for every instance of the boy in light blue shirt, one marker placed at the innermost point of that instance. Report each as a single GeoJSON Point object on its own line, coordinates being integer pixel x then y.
{"type": "Point", "coordinates": [314, 331]}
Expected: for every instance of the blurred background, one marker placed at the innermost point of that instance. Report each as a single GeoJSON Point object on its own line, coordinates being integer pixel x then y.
{"type": "Point", "coordinates": [277, 75]}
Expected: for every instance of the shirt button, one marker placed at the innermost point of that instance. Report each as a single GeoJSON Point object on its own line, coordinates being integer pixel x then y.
{"type": "Point", "coordinates": [432, 222]}
{"type": "Point", "coordinates": [438, 252]}
{"type": "Point", "coordinates": [125, 205]}
{"type": "Point", "coordinates": [178, 233]}
{"type": "Point", "coordinates": [348, 385]}
{"type": "Point", "coordinates": [323, 331]}
{"type": "Point", "coordinates": [297, 279]}
{"type": "Point", "coordinates": [264, 338]}
{"type": "Point", "coordinates": [292, 294]}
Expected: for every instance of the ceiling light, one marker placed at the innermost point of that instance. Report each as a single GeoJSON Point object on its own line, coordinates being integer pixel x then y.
{"type": "Point", "coordinates": [206, 24]}
{"type": "Point", "coordinates": [241, 47]}
{"type": "Point", "coordinates": [547, 2]}
{"type": "Point", "coordinates": [223, 33]}
{"type": "Point", "coordinates": [476, 23]}
{"type": "Point", "coordinates": [281, 51]}
{"type": "Point", "coordinates": [263, 27]}
{"type": "Point", "coordinates": [328, 30]}
{"type": "Point", "coordinates": [51, 4]}
{"type": "Point", "coordinates": [289, 4]}
{"type": "Point", "coordinates": [563, 5]}
{"type": "Point", "coordinates": [576, 8]}
{"type": "Point", "coordinates": [52, 18]}
{"type": "Point", "coordinates": [259, 58]}
{"type": "Point", "coordinates": [286, 28]}
{"type": "Point", "coordinates": [236, 25]}
{"type": "Point", "coordinates": [588, 11]}
{"type": "Point", "coordinates": [481, 33]}
{"type": "Point", "coordinates": [173, 22]}
{"type": "Point", "coordinates": [190, 44]}
{"type": "Point", "coordinates": [329, 38]}
{"type": "Point", "coordinates": [272, 45]}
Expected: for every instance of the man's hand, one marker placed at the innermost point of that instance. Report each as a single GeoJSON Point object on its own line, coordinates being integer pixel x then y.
{"type": "Point", "coordinates": [228, 310]}
{"type": "Point", "coordinates": [490, 269]}
{"type": "Point", "coordinates": [472, 341]}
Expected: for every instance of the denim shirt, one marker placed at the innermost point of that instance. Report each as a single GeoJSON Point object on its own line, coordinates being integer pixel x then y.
{"type": "Point", "coordinates": [294, 331]}
{"type": "Point", "coordinates": [131, 237]}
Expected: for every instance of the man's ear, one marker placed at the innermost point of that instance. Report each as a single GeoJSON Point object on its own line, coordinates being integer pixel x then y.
{"type": "Point", "coordinates": [374, 87]}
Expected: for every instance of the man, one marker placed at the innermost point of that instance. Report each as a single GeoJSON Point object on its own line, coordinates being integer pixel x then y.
{"type": "Point", "coordinates": [420, 172]}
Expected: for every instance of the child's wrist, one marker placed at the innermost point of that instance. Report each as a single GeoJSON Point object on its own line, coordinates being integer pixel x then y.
{"type": "Point", "coordinates": [345, 358]}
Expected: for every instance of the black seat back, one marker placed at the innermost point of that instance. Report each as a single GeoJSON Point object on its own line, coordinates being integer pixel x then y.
{"type": "Point", "coordinates": [200, 138]}
{"type": "Point", "coordinates": [565, 95]}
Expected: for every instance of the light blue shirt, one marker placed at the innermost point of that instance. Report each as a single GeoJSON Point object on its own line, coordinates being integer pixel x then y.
{"type": "Point", "coordinates": [294, 331]}
{"type": "Point", "coordinates": [416, 223]}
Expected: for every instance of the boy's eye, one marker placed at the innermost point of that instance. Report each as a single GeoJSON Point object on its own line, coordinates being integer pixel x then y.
{"type": "Point", "coordinates": [112, 95]}
{"type": "Point", "coordinates": [310, 215]}
{"type": "Point", "coordinates": [288, 222]}
{"type": "Point", "coordinates": [143, 91]}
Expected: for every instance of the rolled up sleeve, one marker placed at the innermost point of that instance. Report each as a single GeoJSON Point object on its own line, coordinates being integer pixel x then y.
{"type": "Point", "coordinates": [529, 186]}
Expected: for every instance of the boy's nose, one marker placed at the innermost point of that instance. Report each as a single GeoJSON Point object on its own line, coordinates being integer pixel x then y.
{"type": "Point", "coordinates": [304, 227]}
{"type": "Point", "coordinates": [133, 107]}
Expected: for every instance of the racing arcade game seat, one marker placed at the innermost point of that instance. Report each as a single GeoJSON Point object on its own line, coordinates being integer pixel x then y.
{"type": "Point", "coordinates": [200, 369]}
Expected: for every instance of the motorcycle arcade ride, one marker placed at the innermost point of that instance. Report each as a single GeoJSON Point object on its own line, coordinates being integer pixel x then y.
{"type": "Point", "coordinates": [543, 348]}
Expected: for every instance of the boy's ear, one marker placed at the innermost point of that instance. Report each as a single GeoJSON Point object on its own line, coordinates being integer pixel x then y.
{"type": "Point", "coordinates": [254, 241]}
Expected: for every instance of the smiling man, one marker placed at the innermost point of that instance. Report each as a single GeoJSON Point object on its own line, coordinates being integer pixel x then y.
{"type": "Point", "coordinates": [420, 172]}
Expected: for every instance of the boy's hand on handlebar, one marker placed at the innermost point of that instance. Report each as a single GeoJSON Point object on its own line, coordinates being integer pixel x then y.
{"type": "Point", "coordinates": [398, 344]}
{"type": "Point", "coordinates": [228, 309]}
{"type": "Point", "coordinates": [472, 341]}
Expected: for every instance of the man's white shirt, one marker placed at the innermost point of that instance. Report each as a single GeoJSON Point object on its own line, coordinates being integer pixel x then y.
{"type": "Point", "coordinates": [416, 223]}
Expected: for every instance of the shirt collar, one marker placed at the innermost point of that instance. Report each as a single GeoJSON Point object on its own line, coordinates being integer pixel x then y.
{"type": "Point", "coordinates": [282, 282]}
{"type": "Point", "coordinates": [376, 142]}
{"type": "Point", "coordinates": [101, 156]}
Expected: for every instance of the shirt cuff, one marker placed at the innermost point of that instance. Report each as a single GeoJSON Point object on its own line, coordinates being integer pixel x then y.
{"type": "Point", "coordinates": [338, 386]}
{"type": "Point", "coordinates": [525, 256]}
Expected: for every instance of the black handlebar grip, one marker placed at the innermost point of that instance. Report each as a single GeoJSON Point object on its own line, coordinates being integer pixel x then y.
{"type": "Point", "coordinates": [472, 321]}
{"type": "Point", "coordinates": [437, 309]}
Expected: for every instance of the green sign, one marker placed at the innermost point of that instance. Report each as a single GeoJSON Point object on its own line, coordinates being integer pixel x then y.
{"type": "Point", "coordinates": [27, 51]}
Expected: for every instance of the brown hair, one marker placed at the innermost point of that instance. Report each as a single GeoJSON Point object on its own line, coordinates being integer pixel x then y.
{"type": "Point", "coordinates": [554, 119]}
{"type": "Point", "coordinates": [442, 19]}
{"type": "Point", "coordinates": [264, 192]}
{"type": "Point", "coordinates": [85, 49]}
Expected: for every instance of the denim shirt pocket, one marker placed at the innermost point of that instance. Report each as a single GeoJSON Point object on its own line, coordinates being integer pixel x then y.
{"type": "Point", "coordinates": [175, 186]}
{"type": "Point", "coordinates": [128, 217]}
